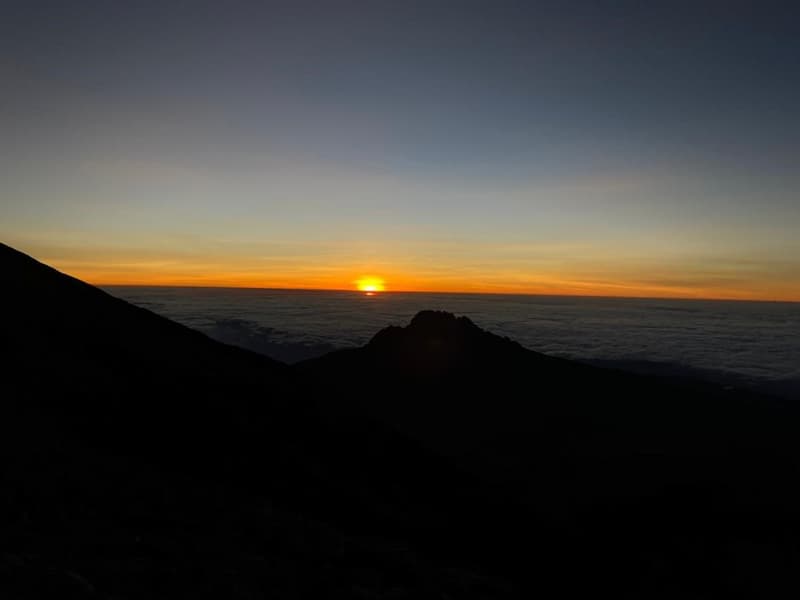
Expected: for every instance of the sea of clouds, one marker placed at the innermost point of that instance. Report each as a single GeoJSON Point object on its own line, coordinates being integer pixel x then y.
{"type": "Point", "coordinates": [737, 343]}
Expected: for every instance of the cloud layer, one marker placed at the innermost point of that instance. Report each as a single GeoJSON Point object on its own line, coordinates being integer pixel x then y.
{"type": "Point", "coordinates": [748, 341]}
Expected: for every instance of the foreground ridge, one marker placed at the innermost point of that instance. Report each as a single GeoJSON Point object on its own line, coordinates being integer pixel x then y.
{"type": "Point", "coordinates": [143, 459]}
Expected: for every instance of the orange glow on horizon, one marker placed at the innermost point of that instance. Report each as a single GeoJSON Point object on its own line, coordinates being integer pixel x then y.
{"type": "Point", "coordinates": [544, 286]}
{"type": "Point", "coordinates": [632, 284]}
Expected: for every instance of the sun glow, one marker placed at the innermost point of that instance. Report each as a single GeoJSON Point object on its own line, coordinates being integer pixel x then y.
{"type": "Point", "coordinates": [370, 285]}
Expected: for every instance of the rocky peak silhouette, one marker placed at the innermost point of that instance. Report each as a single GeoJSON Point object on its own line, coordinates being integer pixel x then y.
{"type": "Point", "coordinates": [436, 339]}
{"type": "Point", "coordinates": [441, 321]}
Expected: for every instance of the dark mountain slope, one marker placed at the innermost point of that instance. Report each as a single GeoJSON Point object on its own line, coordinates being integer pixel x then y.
{"type": "Point", "coordinates": [128, 378]}
{"type": "Point", "coordinates": [469, 384]}
{"type": "Point", "coordinates": [143, 460]}
{"type": "Point", "coordinates": [653, 482]}
{"type": "Point", "coordinates": [140, 459]}
{"type": "Point", "coordinates": [45, 311]}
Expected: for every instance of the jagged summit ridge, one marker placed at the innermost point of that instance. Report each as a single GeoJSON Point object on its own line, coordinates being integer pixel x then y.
{"type": "Point", "coordinates": [429, 326]}
{"type": "Point", "coordinates": [437, 338]}
{"type": "Point", "coordinates": [440, 320]}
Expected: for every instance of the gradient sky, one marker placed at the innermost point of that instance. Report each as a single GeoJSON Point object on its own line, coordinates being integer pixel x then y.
{"type": "Point", "coordinates": [611, 148]}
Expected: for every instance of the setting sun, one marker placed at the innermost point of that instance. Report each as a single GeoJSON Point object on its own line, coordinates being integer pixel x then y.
{"type": "Point", "coordinates": [370, 285]}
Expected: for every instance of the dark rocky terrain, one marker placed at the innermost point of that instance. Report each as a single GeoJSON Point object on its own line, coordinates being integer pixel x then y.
{"type": "Point", "coordinates": [141, 459]}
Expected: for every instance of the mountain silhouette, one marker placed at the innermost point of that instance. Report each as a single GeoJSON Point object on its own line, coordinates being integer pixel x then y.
{"type": "Point", "coordinates": [142, 459]}
{"type": "Point", "coordinates": [658, 485]}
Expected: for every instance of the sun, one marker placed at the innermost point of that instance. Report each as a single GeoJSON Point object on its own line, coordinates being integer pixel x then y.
{"type": "Point", "coordinates": [370, 285]}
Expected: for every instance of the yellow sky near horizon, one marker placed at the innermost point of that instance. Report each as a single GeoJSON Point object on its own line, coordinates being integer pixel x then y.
{"type": "Point", "coordinates": [488, 268]}
{"type": "Point", "coordinates": [324, 227]}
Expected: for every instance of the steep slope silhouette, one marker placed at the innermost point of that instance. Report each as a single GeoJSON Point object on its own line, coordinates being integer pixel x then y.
{"type": "Point", "coordinates": [142, 459]}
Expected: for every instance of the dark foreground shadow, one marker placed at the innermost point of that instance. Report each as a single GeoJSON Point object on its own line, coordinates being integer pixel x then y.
{"type": "Point", "coordinates": [141, 459]}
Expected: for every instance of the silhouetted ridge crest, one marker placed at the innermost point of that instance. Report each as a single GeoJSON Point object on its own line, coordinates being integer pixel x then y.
{"type": "Point", "coordinates": [429, 326]}
{"type": "Point", "coordinates": [440, 320]}
{"type": "Point", "coordinates": [435, 339]}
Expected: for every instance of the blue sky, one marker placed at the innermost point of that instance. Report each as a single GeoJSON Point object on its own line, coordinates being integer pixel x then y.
{"type": "Point", "coordinates": [620, 148]}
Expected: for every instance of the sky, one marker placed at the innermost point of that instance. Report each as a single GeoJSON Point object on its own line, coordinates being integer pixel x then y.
{"type": "Point", "coordinates": [599, 148]}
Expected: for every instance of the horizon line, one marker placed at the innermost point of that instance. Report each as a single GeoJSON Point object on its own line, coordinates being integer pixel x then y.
{"type": "Point", "coordinates": [457, 293]}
